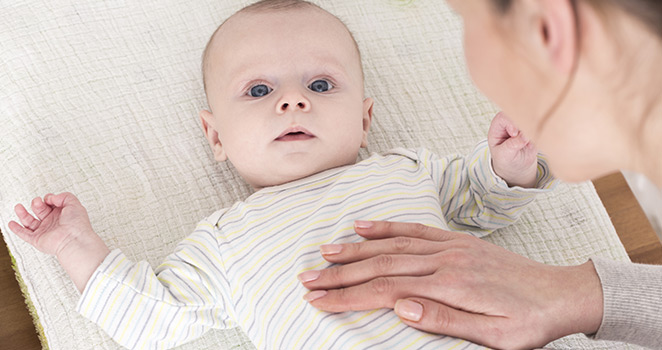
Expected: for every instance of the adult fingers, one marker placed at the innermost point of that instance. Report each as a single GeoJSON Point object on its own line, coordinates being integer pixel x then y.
{"type": "Point", "coordinates": [434, 317]}
{"type": "Point", "coordinates": [388, 229]}
{"type": "Point", "coordinates": [27, 220]}
{"type": "Point", "coordinates": [378, 293]}
{"type": "Point", "coordinates": [351, 252]}
{"type": "Point", "coordinates": [363, 271]}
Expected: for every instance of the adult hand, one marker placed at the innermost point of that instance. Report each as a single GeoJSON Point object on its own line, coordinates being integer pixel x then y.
{"type": "Point", "coordinates": [458, 285]}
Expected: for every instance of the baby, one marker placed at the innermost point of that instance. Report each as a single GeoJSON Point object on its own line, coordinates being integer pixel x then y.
{"type": "Point", "coordinates": [284, 85]}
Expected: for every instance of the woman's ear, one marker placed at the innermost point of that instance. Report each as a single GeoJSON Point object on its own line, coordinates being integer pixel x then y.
{"type": "Point", "coordinates": [557, 32]}
{"type": "Point", "coordinates": [367, 120]}
{"type": "Point", "coordinates": [207, 118]}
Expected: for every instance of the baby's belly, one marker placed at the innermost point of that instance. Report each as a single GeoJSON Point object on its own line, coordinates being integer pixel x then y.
{"type": "Point", "coordinates": [298, 325]}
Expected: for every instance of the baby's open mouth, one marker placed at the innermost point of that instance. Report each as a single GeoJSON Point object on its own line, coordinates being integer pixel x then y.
{"type": "Point", "coordinates": [295, 134]}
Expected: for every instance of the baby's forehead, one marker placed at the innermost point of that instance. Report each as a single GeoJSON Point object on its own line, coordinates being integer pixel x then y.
{"type": "Point", "coordinates": [250, 33]}
{"type": "Point", "coordinates": [276, 20]}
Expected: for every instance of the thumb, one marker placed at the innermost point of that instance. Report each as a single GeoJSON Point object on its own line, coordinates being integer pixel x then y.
{"type": "Point", "coordinates": [438, 318]}
{"type": "Point", "coordinates": [61, 200]}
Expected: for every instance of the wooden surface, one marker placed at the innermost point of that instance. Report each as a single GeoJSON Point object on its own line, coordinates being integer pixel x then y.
{"type": "Point", "coordinates": [16, 328]}
{"type": "Point", "coordinates": [17, 331]}
{"type": "Point", "coordinates": [633, 228]}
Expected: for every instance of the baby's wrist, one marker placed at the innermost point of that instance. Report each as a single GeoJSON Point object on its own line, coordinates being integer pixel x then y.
{"type": "Point", "coordinates": [527, 178]}
{"type": "Point", "coordinates": [80, 257]}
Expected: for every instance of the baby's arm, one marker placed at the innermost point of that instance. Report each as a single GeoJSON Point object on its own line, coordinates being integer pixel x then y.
{"type": "Point", "coordinates": [61, 227]}
{"type": "Point", "coordinates": [122, 296]}
{"type": "Point", "coordinates": [490, 187]}
{"type": "Point", "coordinates": [514, 158]}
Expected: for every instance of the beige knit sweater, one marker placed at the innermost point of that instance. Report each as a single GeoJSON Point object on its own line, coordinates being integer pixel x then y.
{"type": "Point", "coordinates": [632, 302]}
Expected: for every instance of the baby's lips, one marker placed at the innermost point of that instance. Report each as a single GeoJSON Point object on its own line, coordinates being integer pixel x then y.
{"type": "Point", "coordinates": [295, 130]}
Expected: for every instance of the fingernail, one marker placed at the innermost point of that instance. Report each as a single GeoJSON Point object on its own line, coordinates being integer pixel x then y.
{"type": "Point", "coordinates": [363, 224]}
{"type": "Point", "coordinates": [316, 294]}
{"type": "Point", "coordinates": [330, 249]}
{"type": "Point", "coordinates": [308, 276]}
{"type": "Point", "coordinates": [409, 310]}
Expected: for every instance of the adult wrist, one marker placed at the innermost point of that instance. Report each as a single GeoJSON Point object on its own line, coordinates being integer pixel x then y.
{"type": "Point", "coordinates": [583, 299]}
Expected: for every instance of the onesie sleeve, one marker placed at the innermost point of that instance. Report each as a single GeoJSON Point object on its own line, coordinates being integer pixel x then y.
{"type": "Point", "coordinates": [473, 198]}
{"type": "Point", "coordinates": [141, 308]}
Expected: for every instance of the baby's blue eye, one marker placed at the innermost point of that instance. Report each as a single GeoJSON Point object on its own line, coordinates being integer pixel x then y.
{"type": "Point", "coordinates": [320, 86]}
{"type": "Point", "coordinates": [259, 90]}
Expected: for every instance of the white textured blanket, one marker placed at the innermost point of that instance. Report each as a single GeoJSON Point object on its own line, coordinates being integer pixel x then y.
{"type": "Point", "coordinates": [101, 98]}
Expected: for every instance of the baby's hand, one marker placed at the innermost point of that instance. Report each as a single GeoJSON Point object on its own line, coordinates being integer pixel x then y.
{"type": "Point", "coordinates": [514, 158]}
{"type": "Point", "coordinates": [59, 220]}
{"type": "Point", "coordinates": [62, 228]}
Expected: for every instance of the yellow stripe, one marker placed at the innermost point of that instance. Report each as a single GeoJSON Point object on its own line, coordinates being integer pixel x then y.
{"type": "Point", "coordinates": [345, 324]}
{"type": "Point", "coordinates": [291, 313]}
{"type": "Point", "coordinates": [358, 345]}
{"type": "Point", "coordinates": [155, 318]}
{"type": "Point", "coordinates": [312, 322]}
{"type": "Point", "coordinates": [103, 275]}
{"type": "Point", "coordinates": [422, 337]}
{"type": "Point", "coordinates": [167, 284]}
{"type": "Point", "coordinates": [128, 323]}
{"type": "Point", "coordinates": [268, 313]}
{"type": "Point", "coordinates": [114, 302]}
{"type": "Point", "coordinates": [458, 344]}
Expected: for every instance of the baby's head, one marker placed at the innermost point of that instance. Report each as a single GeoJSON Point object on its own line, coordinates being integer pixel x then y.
{"type": "Point", "coordinates": [284, 85]}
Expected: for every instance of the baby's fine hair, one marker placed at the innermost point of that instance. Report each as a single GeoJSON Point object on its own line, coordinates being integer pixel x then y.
{"type": "Point", "coordinates": [267, 6]}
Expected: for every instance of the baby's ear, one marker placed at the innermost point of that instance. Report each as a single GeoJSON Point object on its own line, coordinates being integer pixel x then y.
{"type": "Point", "coordinates": [207, 120]}
{"type": "Point", "coordinates": [367, 120]}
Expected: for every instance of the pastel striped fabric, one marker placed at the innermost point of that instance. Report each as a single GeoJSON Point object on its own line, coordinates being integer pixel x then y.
{"type": "Point", "coordinates": [239, 266]}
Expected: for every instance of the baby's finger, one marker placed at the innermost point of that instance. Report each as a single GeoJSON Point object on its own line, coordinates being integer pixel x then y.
{"type": "Point", "coordinates": [516, 143]}
{"type": "Point", "coordinates": [20, 231]}
{"type": "Point", "coordinates": [61, 199]}
{"type": "Point", "coordinates": [48, 199]}
{"type": "Point", "coordinates": [512, 130]}
{"type": "Point", "coordinates": [40, 209]}
{"type": "Point", "coordinates": [27, 220]}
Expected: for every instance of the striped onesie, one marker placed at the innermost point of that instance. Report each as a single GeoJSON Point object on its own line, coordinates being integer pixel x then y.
{"type": "Point", "coordinates": [240, 265]}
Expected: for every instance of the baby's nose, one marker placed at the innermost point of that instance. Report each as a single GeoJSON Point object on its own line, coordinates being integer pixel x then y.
{"type": "Point", "coordinates": [298, 103]}
{"type": "Point", "coordinates": [286, 105]}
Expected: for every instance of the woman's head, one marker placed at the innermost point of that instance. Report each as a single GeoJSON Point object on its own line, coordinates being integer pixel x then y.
{"type": "Point", "coordinates": [579, 77]}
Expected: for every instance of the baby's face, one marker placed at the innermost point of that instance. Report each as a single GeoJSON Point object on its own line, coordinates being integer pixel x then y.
{"type": "Point", "coordinates": [286, 93]}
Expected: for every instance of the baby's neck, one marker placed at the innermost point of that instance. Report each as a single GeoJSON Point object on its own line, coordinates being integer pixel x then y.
{"type": "Point", "coordinates": [300, 179]}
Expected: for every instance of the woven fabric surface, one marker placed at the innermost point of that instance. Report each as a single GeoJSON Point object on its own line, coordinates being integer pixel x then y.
{"type": "Point", "coordinates": [102, 98]}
